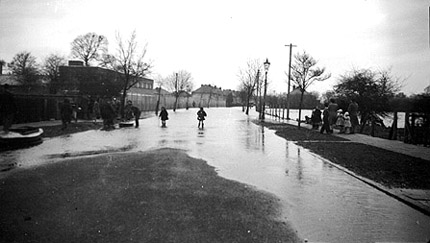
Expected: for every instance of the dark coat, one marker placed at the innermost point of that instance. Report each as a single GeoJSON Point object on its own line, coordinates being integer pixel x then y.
{"type": "Point", "coordinates": [201, 115]}
{"type": "Point", "coordinates": [164, 115]}
{"type": "Point", "coordinates": [316, 116]}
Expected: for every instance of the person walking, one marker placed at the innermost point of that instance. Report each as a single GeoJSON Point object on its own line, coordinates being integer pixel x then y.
{"type": "Point", "coordinates": [7, 108]}
{"type": "Point", "coordinates": [332, 109]}
{"type": "Point", "coordinates": [326, 122]}
{"type": "Point", "coordinates": [353, 113]}
{"type": "Point", "coordinates": [164, 116]}
{"type": "Point", "coordinates": [201, 114]}
{"type": "Point", "coordinates": [66, 112]}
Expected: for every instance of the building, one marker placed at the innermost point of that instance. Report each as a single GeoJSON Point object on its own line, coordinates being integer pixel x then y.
{"type": "Point", "coordinates": [208, 96]}
{"type": "Point", "coordinates": [93, 82]}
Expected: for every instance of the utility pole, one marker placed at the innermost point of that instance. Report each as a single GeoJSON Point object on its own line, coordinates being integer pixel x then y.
{"type": "Point", "coordinates": [177, 92]}
{"type": "Point", "coordinates": [289, 80]}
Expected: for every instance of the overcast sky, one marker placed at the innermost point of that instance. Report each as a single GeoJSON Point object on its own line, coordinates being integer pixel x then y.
{"type": "Point", "coordinates": [214, 39]}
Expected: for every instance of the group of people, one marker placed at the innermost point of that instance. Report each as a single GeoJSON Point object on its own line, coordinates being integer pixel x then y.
{"type": "Point", "coordinates": [104, 109]}
{"type": "Point", "coordinates": [333, 116]}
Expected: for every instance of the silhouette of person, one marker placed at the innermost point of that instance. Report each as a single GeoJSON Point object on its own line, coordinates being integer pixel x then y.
{"type": "Point", "coordinates": [326, 121]}
{"type": "Point", "coordinates": [316, 118]}
{"type": "Point", "coordinates": [164, 116]}
{"type": "Point", "coordinates": [132, 111]}
{"type": "Point", "coordinates": [201, 114]}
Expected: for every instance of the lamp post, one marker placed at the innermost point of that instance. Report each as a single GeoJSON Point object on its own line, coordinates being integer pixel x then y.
{"type": "Point", "coordinates": [266, 69]}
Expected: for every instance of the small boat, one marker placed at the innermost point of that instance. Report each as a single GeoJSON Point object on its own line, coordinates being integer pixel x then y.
{"type": "Point", "coordinates": [20, 137]}
{"type": "Point", "coordinates": [126, 124]}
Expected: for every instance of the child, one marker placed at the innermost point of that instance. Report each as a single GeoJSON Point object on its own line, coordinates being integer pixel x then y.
{"type": "Point", "coordinates": [164, 116]}
{"type": "Point", "coordinates": [348, 124]}
{"type": "Point", "coordinates": [340, 121]}
{"type": "Point", "coordinates": [201, 116]}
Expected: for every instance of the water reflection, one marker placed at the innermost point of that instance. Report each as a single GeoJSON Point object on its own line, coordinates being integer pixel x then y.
{"type": "Point", "coordinates": [322, 202]}
{"type": "Point", "coordinates": [299, 165]}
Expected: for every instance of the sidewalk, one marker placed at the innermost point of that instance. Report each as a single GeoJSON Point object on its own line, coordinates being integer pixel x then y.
{"type": "Point", "coordinates": [418, 199]}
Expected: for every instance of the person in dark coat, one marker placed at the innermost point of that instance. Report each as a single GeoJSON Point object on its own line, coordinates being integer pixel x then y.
{"type": "Point", "coordinates": [164, 116]}
{"type": "Point", "coordinates": [108, 114]}
{"type": "Point", "coordinates": [201, 114]}
{"type": "Point", "coordinates": [66, 111]}
{"type": "Point", "coordinates": [316, 118]}
{"type": "Point", "coordinates": [326, 120]}
{"type": "Point", "coordinates": [7, 108]}
{"type": "Point", "coordinates": [132, 111]}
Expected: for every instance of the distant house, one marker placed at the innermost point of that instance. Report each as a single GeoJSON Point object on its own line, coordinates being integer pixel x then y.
{"type": "Point", "coordinates": [232, 97]}
{"type": "Point", "coordinates": [208, 96]}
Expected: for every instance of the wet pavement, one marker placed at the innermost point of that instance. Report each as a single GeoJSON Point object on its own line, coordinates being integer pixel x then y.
{"type": "Point", "coordinates": [322, 202]}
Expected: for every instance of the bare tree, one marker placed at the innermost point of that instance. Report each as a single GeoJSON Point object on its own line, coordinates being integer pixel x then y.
{"type": "Point", "coordinates": [129, 60]}
{"type": "Point", "coordinates": [24, 65]}
{"type": "Point", "coordinates": [249, 80]}
{"type": "Point", "coordinates": [51, 69]}
{"type": "Point", "coordinates": [305, 73]}
{"type": "Point", "coordinates": [179, 82]}
{"type": "Point", "coordinates": [89, 47]}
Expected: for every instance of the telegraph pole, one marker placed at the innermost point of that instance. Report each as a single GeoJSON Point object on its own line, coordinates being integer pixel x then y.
{"type": "Point", "coordinates": [177, 92]}
{"type": "Point", "coordinates": [289, 80]}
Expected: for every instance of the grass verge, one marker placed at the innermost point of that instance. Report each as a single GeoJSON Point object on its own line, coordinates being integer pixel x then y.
{"type": "Point", "coordinates": [391, 169]}
{"type": "Point", "coordinates": [155, 196]}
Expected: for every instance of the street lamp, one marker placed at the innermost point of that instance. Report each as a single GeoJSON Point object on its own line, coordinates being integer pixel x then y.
{"type": "Point", "coordinates": [266, 69]}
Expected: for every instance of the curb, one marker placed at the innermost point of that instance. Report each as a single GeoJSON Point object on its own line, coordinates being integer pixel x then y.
{"type": "Point", "coordinates": [390, 192]}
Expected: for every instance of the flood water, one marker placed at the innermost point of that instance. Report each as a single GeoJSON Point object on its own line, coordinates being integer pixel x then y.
{"type": "Point", "coordinates": [321, 202]}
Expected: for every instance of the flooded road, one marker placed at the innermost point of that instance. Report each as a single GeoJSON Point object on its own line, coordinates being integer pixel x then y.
{"type": "Point", "coordinates": [323, 203]}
